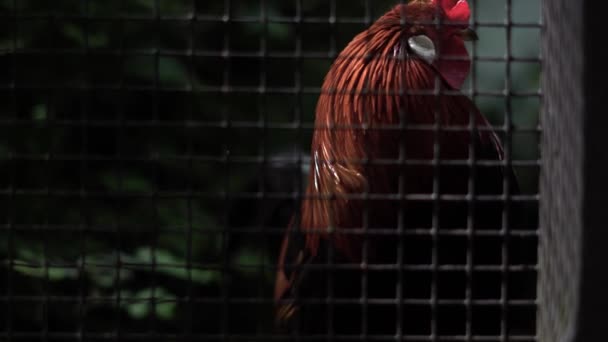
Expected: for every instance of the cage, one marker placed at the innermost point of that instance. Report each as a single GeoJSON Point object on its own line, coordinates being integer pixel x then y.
{"type": "Point", "coordinates": [153, 154]}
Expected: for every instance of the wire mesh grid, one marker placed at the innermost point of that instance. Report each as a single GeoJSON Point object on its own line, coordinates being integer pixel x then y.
{"type": "Point", "coordinates": [153, 153]}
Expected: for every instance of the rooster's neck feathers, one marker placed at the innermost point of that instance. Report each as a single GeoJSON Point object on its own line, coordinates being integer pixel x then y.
{"type": "Point", "coordinates": [374, 83]}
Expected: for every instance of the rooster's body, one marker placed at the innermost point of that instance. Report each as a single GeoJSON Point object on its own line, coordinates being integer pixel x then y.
{"type": "Point", "coordinates": [389, 108]}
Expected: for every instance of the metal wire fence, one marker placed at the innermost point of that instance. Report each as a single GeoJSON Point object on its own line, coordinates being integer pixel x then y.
{"type": "Point", "coordinates": [153, 152]}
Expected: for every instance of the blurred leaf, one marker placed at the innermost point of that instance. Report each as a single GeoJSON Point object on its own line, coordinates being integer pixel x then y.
{"type": "Point", "coordinates": [62, 273]}
{"type": "Point", "coordinates": [38, 271]}
{"type": "Point", "coordinates": [249, 261]}
{"type": "Point", "coordinates": [136, 184]}
{"type": "Point", "coordinates": [39, 112]}
{"type": "Point", "coordinates": [173, 73]}
{"type": "Point", "coordinates": [77, 34]}
{"type": "Point", "coordinates": [30, 253]}
{"type": "Point", "coordinates": [138, 310]}
{"type": "Point", "coordinates": [74, 33]}
{"type": "Point", "coordinates": [279, 32]}
{"type": "Point", "coordinates": [139, 5]}
{"type": "Point", "coordinates": [126, 182]}
{"type": "Point", "coordinates": [139, 304]}
{"type": "Point", "coordinates": [176, 7]}
{"type": "Point", "coordinates": [165, 311]}
{"type": "Point", "coordinates": [178, 267]}
{"type": "Point", "coordinates": [106, 277]}
{"type": "Point", "coordinates": [32, 271]}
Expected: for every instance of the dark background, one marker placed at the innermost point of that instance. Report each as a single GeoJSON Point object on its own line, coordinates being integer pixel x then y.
{"type": "Point", "coordinates": [149, 151]}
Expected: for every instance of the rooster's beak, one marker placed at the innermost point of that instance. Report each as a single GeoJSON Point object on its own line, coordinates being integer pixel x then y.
{"type": "Point", "coordinates": [468, 34]}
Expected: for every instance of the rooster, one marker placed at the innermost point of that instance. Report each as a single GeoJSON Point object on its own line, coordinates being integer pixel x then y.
{"type": "Point", "coordinates": [388, 113]}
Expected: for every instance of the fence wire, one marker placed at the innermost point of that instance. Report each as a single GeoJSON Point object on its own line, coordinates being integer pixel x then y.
{"type": "Point", "coordinates": [153, 153]}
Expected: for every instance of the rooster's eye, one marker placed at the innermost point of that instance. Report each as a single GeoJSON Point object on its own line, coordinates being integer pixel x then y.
{"type": "Point", "coordinates": [423, 46]}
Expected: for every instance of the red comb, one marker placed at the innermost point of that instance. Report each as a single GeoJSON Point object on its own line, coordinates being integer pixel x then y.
{"type": "Point", "coordinates": [455, 10]}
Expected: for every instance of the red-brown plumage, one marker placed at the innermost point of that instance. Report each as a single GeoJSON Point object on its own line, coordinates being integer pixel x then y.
{"type": "Point", "coordinates": [372, 90]}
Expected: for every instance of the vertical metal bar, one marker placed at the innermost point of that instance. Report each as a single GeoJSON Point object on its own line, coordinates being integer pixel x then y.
{"type": "Point", "coordinates": [225, 293]}
{"type": "Point", "coordinates": [435, 227]}
{"type": "Point", "coordinates": [84, 167]}
{"type": "Point", "coordinates": [505, 229]}
{"type": "Point", "coordinates": [263, 150]}
{"type": "Point", "coordinates": [402, 184]}
{"type": "Point", "coordinates": [120, 122]}
{"type": "Point", "coordinates": [10, 241]}
{"type": "Point", "coordinates": [365, 246]}
{"type": "Point", "coordinates": [188, 325]}
{"type": "Point", "coordinates": [331, 262]}
{"type": "Point", "coordinates": [299, 133]}
{"type": "Point", "coordinates": [438, 92]}
{"type": "Point", "coordinates": [333, 51]}
{"type": "Point", "coordinates": [153, 300]}
{"type": "Point", "coordinates": [472, 199]}
{"type": "Point", "coordinates": [50, 122]}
